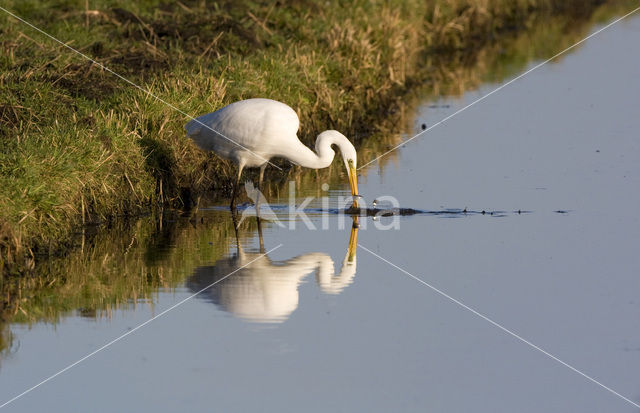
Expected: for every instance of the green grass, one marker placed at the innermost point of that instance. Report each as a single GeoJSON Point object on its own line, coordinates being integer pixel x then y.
{"type": "Point", "coordinates": [80, 145]}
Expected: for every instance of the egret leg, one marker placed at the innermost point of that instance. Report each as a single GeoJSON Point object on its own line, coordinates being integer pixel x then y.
{"type": "Point", "coordinates": [260, 178]}
{"type": "Point", "coordinates": [234, 192]}
{"type": "Point", "coordinates": [262, 168]}
{"type": "Point", "coordinates": [234, 218]}
{"type": "Point", "coordinates": [260, 234]}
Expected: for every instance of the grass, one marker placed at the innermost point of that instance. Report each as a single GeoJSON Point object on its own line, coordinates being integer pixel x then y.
{"type": "Point", "coordinates": [81, 146]}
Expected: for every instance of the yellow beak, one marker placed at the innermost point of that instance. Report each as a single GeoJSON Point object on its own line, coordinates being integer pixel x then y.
{"type": "Point", "coordinates": [353, 181]}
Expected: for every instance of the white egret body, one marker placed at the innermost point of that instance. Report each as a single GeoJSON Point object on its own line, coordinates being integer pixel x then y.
{"type": "Point", "coordinates": [251, 132]}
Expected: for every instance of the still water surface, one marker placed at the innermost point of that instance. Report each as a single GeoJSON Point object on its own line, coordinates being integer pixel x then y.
{"type": "Point", "coordinates": [319, 324]}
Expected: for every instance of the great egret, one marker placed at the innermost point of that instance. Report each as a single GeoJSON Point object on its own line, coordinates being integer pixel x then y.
{"type": "Point", "coordinates": [251, 132]}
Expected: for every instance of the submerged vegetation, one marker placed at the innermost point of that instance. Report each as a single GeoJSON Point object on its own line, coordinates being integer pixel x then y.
{"type": "Point", "coordinates": [81, 146]}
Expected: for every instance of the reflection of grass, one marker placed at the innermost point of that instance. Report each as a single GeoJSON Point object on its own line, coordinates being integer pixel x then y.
{"type": "Point", "coordinates": [119, 267]}
{"type": "Point", "coordinates": [78, 144]}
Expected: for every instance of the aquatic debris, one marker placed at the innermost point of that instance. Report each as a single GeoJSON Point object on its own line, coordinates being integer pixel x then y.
{"type": "Point", "coordinates": [387, 212]}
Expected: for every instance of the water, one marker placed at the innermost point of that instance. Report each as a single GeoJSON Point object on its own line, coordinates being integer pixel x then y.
{"type": "Point", "coordinates": [282, 334]}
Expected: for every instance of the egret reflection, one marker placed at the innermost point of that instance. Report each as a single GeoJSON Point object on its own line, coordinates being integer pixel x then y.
{"type": "Point", "coordinates": [266, 291]}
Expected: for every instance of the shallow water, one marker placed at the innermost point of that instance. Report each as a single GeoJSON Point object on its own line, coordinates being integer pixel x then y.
{"type": "Point", "coordinates": [319, 324]}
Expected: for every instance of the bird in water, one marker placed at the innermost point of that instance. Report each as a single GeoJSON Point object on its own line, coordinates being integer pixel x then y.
{"type": "Point", "coordinates": [253, 131]}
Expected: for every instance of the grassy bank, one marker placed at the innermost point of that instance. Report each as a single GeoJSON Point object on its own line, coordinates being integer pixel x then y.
{"type": "Point", "coordinates": [80, 145]}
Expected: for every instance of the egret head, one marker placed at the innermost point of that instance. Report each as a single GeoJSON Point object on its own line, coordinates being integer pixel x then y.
{"type": "Point", "coordinates": [349, 156]}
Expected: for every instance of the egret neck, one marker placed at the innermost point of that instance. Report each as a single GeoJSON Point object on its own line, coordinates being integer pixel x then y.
{"type": "Point", "coordinates": [324, 154]}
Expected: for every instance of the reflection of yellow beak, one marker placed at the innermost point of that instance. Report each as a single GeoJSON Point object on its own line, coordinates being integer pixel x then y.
{"type": "Point", "coordinates": [353, 243]}
{"type": "Point", "coordinates": [353, 181]}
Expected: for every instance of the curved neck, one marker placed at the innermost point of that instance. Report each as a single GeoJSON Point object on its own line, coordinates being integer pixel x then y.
{"type": "Point", "coordinates": [323, 156]}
